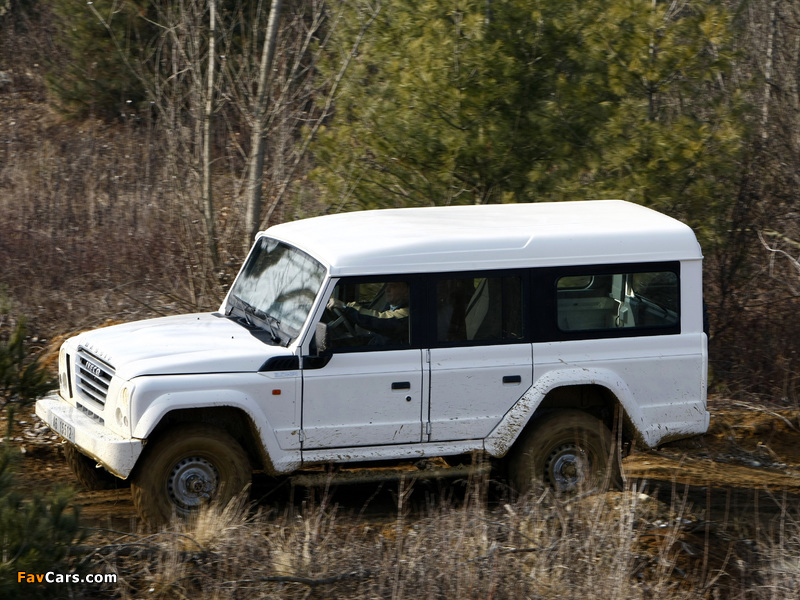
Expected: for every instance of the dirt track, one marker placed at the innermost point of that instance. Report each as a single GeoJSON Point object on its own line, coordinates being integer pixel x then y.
{"type": "Point", "coordinates": [744, 472]}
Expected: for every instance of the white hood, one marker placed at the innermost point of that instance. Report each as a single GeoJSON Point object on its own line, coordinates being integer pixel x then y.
{"type": "Point", "coordinates": [183, 344]}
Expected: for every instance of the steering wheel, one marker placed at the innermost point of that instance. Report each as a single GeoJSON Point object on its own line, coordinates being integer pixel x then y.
{"type": "Point", "coordinates": [341, 319]}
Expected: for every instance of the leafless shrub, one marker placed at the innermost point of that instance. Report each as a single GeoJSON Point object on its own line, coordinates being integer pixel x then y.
{"type": "Point", "coordinates": [92, 231]}
{"type": "Point", "coordinates": [103, 221]}
{"type": "Point", "coordinates": [754, 348]}
{"type": "Point", "coordinates": [755, 344]}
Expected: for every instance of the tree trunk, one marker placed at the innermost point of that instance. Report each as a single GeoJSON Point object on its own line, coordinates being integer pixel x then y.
{"type": "Point", "coordinates": [768, 71]}
{"type": "Point", "coordinates": [256, 159]}
{"type": "Point", "coordinates": [208, 199]}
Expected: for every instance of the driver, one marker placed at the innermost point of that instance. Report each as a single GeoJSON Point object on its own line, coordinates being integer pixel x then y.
{"type": "Point", "coordinates": [390, 323]}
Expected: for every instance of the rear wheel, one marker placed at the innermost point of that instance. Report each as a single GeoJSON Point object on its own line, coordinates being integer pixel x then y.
{"type": "Point", "coordinates": [567, 450]}
{"type": "Point", "coordinates": [87, 472]}
{"type": "Point", "coordinates": [192, 466]}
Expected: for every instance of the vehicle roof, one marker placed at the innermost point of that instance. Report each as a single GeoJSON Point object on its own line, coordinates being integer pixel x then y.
{"type": "Point", "coordinates": [476, 237]}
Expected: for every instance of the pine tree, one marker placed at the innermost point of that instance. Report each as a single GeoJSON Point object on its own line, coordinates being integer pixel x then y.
{"type": "Point", "coordinates": [473, 101]}
{"type": "Point", "coordinates": [667, 129]}
{"type": "Point", "coordinates": [438, 108]}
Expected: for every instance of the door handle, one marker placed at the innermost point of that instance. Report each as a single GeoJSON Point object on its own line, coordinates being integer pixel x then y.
{"type": "Point", "coordinates": [401, 385]}
{"type": "Point", "coordinates": [512, 379]}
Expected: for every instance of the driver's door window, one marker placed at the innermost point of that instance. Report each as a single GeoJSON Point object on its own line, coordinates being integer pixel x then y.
{"type": "Point", "coordinates": [371, 315]}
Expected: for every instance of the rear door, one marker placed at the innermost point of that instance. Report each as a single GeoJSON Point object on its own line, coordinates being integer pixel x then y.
{"type": "Point", "coordinates": [480, 361]}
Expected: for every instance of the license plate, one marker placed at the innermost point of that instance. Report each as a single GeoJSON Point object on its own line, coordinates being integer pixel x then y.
{"type": "Point", "coordinates": [62, 428]}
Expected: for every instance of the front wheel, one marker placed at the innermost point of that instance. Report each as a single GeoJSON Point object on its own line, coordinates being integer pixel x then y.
{"type": "Point", "coordinates": [86, 471]}
{"type": "Point", "coordinates": [190, 467]}
{"type": "Point", "coordinates": [567, 450]}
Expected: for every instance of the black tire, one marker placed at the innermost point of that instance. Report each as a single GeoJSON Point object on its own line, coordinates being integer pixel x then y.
{"type": "Point", "coordinates": [86, 471]}
{"type": "Point", "coordinates": [568, 450]}
{"type": "Point", "coordinates": [188, 467]}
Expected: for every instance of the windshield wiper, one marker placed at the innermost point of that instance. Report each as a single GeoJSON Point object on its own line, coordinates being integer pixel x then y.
{"type": "Point", "coordinates": [250, 313]}
{"type": "Point", "coordinates": [274, 326]}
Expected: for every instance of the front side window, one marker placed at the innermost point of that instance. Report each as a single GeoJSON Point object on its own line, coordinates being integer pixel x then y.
{"type": "Point", "coordinates": [278, 284]}
{"type": "Point", "coordinates": [479, 309]}
{"type": "Point", "coordinates": [369, 315]}
{"type": "Point", "coordinates": [612, 301]}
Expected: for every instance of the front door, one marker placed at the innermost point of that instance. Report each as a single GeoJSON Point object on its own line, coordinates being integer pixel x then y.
{"type": "Point", "coordinates": [369, 390]}
{"type": "Point", "coordinates": [363, 399]}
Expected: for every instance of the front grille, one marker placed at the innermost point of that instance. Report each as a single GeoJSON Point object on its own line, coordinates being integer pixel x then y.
{"type": "Point", "coordinates": [93, 376]}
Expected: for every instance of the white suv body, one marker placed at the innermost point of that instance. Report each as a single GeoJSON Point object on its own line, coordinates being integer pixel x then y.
{"type": "Point", "coordinates": [511, 312]}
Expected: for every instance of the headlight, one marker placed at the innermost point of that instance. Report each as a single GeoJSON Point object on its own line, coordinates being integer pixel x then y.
{"type": "Point", "coordinates": [124, 406]}
{"type": "Point", "coordinates": [63, 373]}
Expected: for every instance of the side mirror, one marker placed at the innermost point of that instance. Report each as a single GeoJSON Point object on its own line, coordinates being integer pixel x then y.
{"type": "Point", "coordinates": [321, 338]}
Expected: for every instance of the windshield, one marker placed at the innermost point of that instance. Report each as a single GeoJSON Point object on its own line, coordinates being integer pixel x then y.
{"type": "Point", "coordinates": [280, 283]}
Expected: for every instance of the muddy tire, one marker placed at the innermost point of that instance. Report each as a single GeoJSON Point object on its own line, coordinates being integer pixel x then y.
{"type": "Point", "coordinates": [188, 467]}
{"type": "Point", "coordinates": [86, 471]}
{"type": "Point", "coordinates": [568, 450]}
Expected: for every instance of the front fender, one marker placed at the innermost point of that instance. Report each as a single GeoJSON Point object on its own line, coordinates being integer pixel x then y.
{"type": "Point", "coordinates": [515, 420]}
{"type": "Point", "coordinates": [148, 409]}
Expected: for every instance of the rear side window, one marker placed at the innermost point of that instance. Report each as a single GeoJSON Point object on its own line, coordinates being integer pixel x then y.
{"type": "Point", "coordinates": [610, 302]}
{"type": "Point", "coordinates": [471, 309]}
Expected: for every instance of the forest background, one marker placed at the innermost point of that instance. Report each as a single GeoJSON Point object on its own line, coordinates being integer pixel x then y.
{"type": "Point", "coordinates": [142, 143]}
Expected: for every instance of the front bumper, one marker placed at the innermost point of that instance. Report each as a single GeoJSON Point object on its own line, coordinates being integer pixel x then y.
{"type": "Point", "coordinates": [116, 453]}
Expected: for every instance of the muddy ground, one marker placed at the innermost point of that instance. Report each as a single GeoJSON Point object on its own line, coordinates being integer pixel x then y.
{"type": "Point", "coordinates": [741, 476]}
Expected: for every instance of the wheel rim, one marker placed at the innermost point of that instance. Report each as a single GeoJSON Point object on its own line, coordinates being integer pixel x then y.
{"type": "Point", "coordinates": [568, 467]}
{"type": "Point", "coordinates": [192, 483]}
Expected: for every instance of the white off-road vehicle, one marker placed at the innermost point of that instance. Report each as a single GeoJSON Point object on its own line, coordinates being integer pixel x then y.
{"type": "Point", "coordinates": [547, 334]}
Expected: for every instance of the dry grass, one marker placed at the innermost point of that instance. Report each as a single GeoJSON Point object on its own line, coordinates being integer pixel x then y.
{"type": "Point", "coordinates": [621, 545]}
